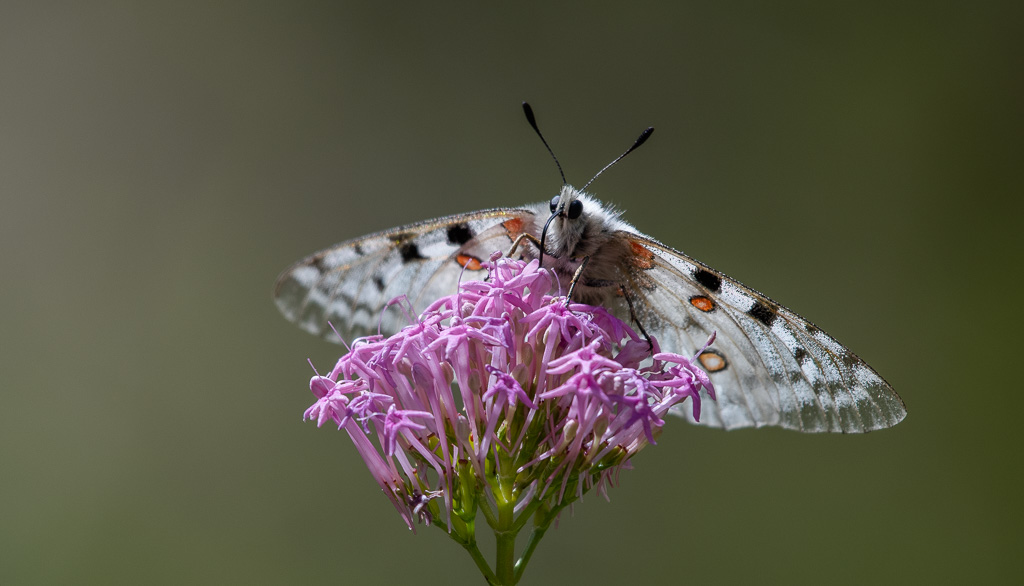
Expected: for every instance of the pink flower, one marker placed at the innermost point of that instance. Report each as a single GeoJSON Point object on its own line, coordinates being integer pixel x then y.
{"type": "Point", "coordinates": [502, 400]}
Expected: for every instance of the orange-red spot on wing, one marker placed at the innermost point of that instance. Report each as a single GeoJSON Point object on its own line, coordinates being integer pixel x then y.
{"type": "Point", "coordinates": [514, 227]}
{"type": "Point", "coordinates": [470, 263]}
{"type": "Point", "coordinates": [712, 361]}
{"type": "Point", "coordinates": [702, 303]}
{"type": "Point", "coordinates": [642, 257]}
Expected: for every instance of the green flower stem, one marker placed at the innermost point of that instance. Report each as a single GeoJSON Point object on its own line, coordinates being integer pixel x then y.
{"type": "Point", "coordinates": [481, 562]}
{"type": "Point", "coordinates": [505, 532]}
{"type": "Point", "coordinates": [526, 514]}
{"type": "Point", "coordinates": [489, 516]}
{"type": "Point", "coordinates": [464, 534]}
{"type": "Point", "coordinates": [535, 536]}
{"type": "Point", "coordinates": [506, 538]}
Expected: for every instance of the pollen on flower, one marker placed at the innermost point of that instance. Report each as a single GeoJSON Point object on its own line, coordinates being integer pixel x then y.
{"type": "Point", "coordinates": [502, 398]}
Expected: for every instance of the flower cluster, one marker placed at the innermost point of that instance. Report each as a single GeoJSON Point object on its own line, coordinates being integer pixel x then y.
{"type": "Point", "coordinates": [504, 400]}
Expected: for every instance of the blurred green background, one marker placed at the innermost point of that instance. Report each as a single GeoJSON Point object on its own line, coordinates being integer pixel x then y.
{"type": "Point", "coordinates": [159, 165]}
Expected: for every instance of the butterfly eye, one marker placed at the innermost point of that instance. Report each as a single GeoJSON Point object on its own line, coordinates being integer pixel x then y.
{"type": "Point", "coordinates": [554, 203]}
{"type": "Point", "coordinates": [575, 209]}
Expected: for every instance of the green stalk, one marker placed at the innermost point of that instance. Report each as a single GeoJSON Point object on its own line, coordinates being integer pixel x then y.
{"type": "Point", "coordinates": [506, 538]}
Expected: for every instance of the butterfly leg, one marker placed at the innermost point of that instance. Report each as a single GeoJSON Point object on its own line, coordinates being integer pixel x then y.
{"type": "Point", "coordinates": [603, 283]}
{"type": "Point", "coordinates": [633, 317]}
{"type": "Point", "coordinates": [576, 279]}
{"type": "Point", "coordinates": [519, 240]}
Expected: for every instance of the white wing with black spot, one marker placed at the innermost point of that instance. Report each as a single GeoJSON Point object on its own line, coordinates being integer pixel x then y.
{"type": "Point", "coordinates": [769, 365]}
{"type": "Point", "coordinates": [350, 284]}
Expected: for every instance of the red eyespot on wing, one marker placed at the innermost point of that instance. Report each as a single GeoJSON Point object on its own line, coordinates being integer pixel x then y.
{"type": "Point", "coordinates": [514, 227]}
{"type": "Point", "coordinates": [642, 257]}
{"type": "Point", "coordinates": [702, 303]}
{"type": "Point", "coordinates": [470, 263]}
{"type": "Point", "coordinates": [712, 361]}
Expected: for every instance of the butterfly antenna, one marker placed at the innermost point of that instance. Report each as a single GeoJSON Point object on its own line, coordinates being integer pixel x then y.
{"type": "Point", "coordinates": [533, 122]}
{"type": "Point", "coordinates": [639, 141]}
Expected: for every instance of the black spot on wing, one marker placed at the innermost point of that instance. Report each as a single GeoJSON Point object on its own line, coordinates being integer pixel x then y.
{"type": "Point", "coordinates": [318, 264]}
{"type": "Point", "coordinates": [410, 252]}
{"type": "Point", "coordinates": [762, 313]}
{"type": "Point", "coordinates": [459, 233]}
{"type": "Point", "coordinates": [800, 354]}
{"type": "Point", "coordinates": [708, 280]}
{"type": "Point", "coordinates": [379, 282]}
{"type": "Point", "coordinates": [849, 359]}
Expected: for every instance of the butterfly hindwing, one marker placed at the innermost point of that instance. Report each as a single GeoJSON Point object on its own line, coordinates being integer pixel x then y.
{"type": "Point", "coordinates": [350, 284]}
{"type": "Point", "coordinates": [769, 365]}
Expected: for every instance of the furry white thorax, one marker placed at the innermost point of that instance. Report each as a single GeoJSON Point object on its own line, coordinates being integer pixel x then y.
{"type": "Point", "coordinates": [598, 234]}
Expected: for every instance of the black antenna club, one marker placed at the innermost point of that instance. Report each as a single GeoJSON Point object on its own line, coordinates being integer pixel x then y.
{"type": "Point", "coordinates": [533, 122]}
{"type": "Point", "coordinates": [639, 141]}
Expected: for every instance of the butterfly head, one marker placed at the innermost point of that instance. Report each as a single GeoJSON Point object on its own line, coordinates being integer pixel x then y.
{"type": "Point", "coordinates": [567, 203]}
{"type": "Point", "coordinates": [575, 218]}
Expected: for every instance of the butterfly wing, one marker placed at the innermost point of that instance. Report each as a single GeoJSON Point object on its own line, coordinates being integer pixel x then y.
{"type": "Point", "coordinates": [350, 284]}
{"type": "Point", "coordinates": [769, 365]}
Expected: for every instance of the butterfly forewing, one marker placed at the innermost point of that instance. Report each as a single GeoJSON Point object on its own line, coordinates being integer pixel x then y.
{"type": "Point", "coordinates": [350, 284]}
{"type": "Point", "coordinates": [769, 365]}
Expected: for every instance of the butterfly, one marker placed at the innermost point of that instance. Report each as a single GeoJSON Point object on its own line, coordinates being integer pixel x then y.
{"type": "Point", "coordinates": [770, 367]}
